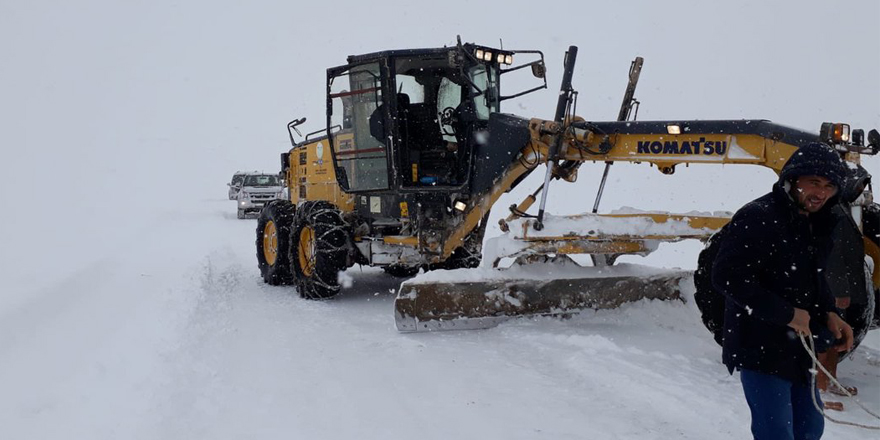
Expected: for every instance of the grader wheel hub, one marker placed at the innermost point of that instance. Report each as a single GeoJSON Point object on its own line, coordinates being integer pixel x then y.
{"type": "Point", "coordinates": [306, 250]}
{"type": "Point", "coordinates": [270, 243]}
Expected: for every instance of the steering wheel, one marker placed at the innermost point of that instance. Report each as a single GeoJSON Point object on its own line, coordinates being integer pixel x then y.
{"type": "Point", "coordinates": [448, 121]}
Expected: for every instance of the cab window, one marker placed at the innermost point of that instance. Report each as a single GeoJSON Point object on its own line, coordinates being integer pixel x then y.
{"type": "Point", "coordinates": [485, 77]}
{"type": "Point", "coordinates": [357, 128]}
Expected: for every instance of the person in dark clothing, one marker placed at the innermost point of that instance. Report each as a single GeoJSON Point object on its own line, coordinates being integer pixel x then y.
{"type": "Point", "coordinates": [845, 271]}
{"type": "Point", "coordinates": [769, 268]}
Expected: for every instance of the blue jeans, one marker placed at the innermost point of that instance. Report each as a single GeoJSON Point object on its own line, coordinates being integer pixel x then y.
{"type": "Point", "coordinates": [781, 410]}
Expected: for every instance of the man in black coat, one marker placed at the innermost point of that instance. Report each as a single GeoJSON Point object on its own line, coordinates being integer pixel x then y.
{"type": "Point", "coordinates": [769, 268]}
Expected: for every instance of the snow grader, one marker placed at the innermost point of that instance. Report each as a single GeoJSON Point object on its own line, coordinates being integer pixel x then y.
{"type": "Point", "coordinates": [415, 153]}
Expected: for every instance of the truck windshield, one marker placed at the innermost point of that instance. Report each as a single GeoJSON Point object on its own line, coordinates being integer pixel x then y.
{"type": "Point", "coordinates": [261, 180]}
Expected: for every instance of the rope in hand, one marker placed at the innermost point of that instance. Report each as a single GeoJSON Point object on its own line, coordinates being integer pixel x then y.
{"type": "Point", "coordinates": [811, 349]}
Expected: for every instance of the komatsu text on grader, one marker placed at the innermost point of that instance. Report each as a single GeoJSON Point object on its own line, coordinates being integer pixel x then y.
{"type": "Point", "coordinates": [416, 151]}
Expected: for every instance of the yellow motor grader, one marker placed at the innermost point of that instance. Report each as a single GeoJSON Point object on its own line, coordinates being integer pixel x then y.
{"type": "Point", "coordinates": [416, 151]}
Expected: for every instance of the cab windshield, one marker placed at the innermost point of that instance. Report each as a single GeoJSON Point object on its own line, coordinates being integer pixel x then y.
{"type": "Point", "coordinates": [437, 107]}
{"type": "Point", "coordinates": [439, 86]}
{"type": "Point", "coordinates": [262, 180]}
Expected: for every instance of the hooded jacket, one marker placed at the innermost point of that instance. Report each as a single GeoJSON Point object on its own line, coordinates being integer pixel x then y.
{"type": "Point", "coordinates": [769, 262]}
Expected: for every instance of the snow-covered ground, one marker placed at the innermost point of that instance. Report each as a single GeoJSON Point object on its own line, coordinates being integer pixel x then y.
{"type": "Point", "coordinates": [183, 340]}
{"type": "Point", "coordinates": [130, 301]}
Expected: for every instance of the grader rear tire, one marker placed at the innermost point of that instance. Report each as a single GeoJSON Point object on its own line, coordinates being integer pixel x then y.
{"type": "Point", "coordinates": [319, 251]}
{"type": "Point", "coordinates": [273, 242]}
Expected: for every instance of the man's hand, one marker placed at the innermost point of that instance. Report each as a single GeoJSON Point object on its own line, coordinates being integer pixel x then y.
{"type": "Point", "coordinates": [841, 330]}
{"type": "Point", "coordinates": [801, 322]}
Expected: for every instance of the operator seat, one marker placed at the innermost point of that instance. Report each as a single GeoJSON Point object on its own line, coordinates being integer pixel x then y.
{"type": "Point", "coordinates": [377, 120]}
{"type": "Point", "coordinates": [422, 126]}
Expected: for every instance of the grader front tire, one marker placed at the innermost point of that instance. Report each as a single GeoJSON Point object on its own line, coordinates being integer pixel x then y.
{"type": "Point", "coordinates": [319, 240]}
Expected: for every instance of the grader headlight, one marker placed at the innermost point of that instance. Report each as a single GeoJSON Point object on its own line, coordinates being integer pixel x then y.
{"type": "Point", "coordinates": [673, 129]}
{"type": "Point", "coordinates": [485, 54]}
{"type": "Point", "coordinates": [841, 132]}
{"type": "Point", "coordinates": [835, 133]}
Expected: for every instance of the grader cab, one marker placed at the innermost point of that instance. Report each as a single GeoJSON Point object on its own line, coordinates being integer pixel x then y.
{"type": "Point", "coordinates": [404, 152]}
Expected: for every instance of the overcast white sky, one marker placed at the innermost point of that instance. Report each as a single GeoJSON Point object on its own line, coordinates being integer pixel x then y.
{"type": "Point", "coordinates": [115, 113]}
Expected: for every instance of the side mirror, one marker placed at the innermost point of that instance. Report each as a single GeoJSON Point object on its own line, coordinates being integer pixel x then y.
{"type": "Point", "coordinates": [291, 127]}
{"type": "Point", "coordinates": [538, 70]}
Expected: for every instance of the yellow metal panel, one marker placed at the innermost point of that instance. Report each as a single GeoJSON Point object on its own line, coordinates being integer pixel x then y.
{"type": "Point", "coordinates": [402, 240]}
{"type": "Point", "coordinates": [694, 221]}
{"type": "Point", "coordinates": [600, 247]}
{"type": "Point", "coordinates": [312, 177]}
{"type": "Point", "coordinates": [667, 150]}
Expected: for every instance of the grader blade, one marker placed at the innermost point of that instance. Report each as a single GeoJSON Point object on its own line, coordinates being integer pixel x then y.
{"type": "Point", "coordinates": [477, 305]}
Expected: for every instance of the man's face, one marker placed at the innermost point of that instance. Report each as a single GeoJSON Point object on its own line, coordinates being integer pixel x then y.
{"type": "Point", "coordinates": [811, 192]}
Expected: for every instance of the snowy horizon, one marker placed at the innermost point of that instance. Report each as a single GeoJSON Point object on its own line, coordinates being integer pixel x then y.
{"type": "Point", "coordinates": [131, 302]}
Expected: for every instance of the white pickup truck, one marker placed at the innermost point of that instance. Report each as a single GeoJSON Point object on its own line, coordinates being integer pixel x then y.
{"type": "Point", "coordinates": [256, 191]}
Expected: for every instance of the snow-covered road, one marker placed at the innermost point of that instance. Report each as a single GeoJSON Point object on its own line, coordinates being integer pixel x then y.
{"type": "Point", "coordinates": [130, 303]}
{"type": "Point", "coordinates": [179, 338]}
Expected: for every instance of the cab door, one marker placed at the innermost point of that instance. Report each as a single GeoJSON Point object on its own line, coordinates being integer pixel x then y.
{"type": "Point", "coordinates": [358, 127]}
